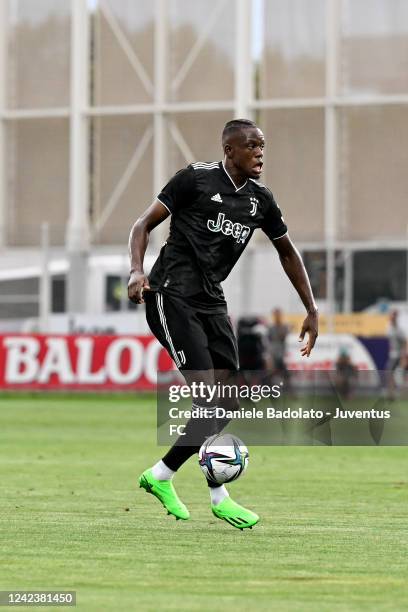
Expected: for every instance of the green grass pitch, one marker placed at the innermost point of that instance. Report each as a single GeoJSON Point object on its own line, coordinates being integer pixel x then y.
{"type": "Point", "coordinates": [333, 533]}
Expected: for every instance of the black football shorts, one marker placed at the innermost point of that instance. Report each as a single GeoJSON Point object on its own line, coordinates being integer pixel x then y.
{"type": "Point", "coordinates": [194, 340]}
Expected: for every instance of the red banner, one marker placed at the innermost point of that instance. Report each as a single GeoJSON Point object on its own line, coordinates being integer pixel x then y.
{"type": "Point", "coordinates": [81, 362]}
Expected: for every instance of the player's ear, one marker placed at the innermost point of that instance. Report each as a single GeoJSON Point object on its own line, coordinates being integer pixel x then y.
{"type": "Point", "coordinates": [228, 150]}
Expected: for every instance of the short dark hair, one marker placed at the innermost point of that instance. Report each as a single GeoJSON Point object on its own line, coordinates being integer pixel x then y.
{"type": "Point", "coordinates": [234, 126]}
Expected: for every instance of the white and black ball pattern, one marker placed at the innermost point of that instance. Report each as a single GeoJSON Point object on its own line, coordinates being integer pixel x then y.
{"type": "Point", "coordinates": [223, 458]}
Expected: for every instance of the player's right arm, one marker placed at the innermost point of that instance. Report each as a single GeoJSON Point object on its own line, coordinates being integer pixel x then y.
{"type": "Point", "coordinates": [178, 191]}
{"type": "Point", "coordinates": [138, 241]}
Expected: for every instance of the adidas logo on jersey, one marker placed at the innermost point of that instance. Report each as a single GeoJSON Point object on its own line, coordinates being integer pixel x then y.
{"type": "Point", "coordinates": [217, 198]}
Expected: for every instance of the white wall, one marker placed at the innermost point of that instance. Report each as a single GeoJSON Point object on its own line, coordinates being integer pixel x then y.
{"type": "Point", "coordinates": [258, 283]}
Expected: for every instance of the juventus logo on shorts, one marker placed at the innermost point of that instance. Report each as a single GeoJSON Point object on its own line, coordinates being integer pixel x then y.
{"type": "Point", "coordinates": [182, 357]}
{"type": "Point", "coordinates": [254, 206]}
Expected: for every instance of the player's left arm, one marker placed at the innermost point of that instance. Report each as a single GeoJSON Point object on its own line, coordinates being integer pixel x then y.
{"type": "Point", "coordinates": [293, 265]}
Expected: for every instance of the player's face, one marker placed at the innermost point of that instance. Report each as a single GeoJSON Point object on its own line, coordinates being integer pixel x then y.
{"type": "Point", "coordinates": [247, 152]}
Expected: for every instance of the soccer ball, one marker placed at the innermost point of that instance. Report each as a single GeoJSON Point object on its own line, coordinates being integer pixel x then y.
{"type": "Point", "coordinates": [223, 458]}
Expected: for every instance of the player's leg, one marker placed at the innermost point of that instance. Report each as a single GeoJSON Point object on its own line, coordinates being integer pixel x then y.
{"type": "Point", "coordinates": [187, 343]}
{"type": "Point", "coordinates": [224, 355]}
{"type": "Point", "coordinates": [178, 329]}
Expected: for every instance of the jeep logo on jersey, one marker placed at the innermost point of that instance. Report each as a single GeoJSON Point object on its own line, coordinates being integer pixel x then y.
{"type": "Point", "coordinates": [228, 228]}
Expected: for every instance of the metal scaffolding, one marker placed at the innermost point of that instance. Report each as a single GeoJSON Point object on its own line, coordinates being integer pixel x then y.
{"type": "Point", "coordinates": [3, 67]}
{"type": "Point", "coordinates": [81, 230]}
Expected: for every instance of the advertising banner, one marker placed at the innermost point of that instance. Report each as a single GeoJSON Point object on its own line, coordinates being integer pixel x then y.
{"type": "Point", "coordinates": [35, 362]}
{"type": "Point", "coordinates": [127, 362]}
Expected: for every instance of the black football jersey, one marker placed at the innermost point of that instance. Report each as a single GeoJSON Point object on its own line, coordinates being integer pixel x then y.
{"type": "Point", "coordinates": [212, 223]}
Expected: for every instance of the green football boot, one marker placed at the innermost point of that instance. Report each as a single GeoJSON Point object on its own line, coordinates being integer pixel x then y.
{"type": "Point", "coordinates": [165, 493]}
{"type": "Point", "coordinates": [234, 514]}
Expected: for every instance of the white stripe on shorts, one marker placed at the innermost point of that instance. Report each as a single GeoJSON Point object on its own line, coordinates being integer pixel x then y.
{"type": "Point", "coordinates": [159, 302]}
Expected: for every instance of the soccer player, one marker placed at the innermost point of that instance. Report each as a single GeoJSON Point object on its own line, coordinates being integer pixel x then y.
{"type": "Point", "coordinates": [277, 334]}
{"type": "Point", "coordinates": [396, 351]}
{"type": "Point", "coordinates": [215, 209]}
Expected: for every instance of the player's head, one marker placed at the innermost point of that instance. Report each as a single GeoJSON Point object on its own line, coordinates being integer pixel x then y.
{"type": "Point", "coordinates": [243, 144]}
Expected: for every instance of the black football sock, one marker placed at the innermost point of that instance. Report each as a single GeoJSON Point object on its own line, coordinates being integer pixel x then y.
{"type": "Point", "coordinates": [177, 455]}
{"type": "Point", "coordinates": [196, 431]}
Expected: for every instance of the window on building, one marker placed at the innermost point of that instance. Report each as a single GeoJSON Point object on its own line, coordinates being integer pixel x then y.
{"type": "Point", "coordinates": [116, 297]}
{"type": "Point", "coordinates": [58, 293]}
{"type": "Point", "coordinates": [316, 266]}
{"type": "Point", "coordinates": [378, 276]}
{"type": "Point", "coordinates": [19, 298]}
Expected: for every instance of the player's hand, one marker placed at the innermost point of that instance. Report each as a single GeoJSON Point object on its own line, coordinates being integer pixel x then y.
{"type": "Point", "coordinates": [310, 326]}
{"type": "Point", "coordinates": [137, 284]}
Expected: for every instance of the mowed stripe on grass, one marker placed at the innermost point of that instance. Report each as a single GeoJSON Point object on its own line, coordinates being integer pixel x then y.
{"type": "Point", "coordinates": [333, 532]}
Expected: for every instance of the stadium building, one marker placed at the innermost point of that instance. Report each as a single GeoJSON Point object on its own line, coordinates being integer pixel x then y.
{"type": "Point", "coordinates": [102, 101]}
